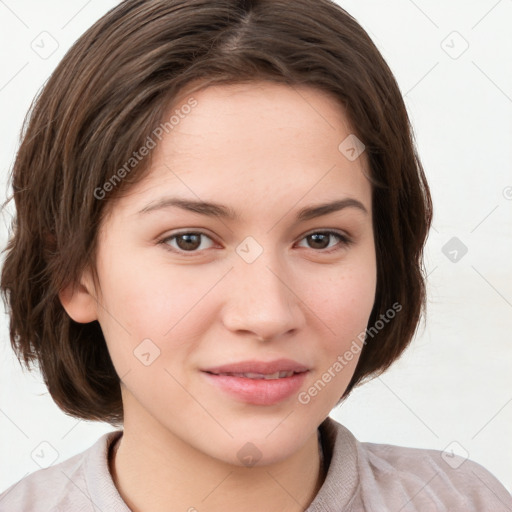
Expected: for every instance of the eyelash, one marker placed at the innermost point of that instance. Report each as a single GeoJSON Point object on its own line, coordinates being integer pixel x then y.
{"type": "Point", "coordinates": [345, 241]}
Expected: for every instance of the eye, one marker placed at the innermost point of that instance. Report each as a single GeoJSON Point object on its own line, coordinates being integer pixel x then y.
{"type": "Point", "coordinates": [191, 241]}
{"type": "Point", "coordinates": [320, 240]}
{"type": "Point", "coordinates": [188, 241]}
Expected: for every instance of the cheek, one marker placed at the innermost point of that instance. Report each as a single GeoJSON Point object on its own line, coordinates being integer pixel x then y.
{"type": "Point", "coordinates": [343, 302]}
{"type": "Point", "coordinates": [144, 302]}
{"type": "Point", "coordinates": [343, 306]}
{"type": "Point", "coordinates": [149, 296]}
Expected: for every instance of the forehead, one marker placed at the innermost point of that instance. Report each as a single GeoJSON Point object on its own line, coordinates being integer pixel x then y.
{"type": "Point", "coordinates": [256, 114]}
{"type": "Point", "coordinates": [263, 141]}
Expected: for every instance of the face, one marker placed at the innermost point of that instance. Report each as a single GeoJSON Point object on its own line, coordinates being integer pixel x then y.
{"type": "Point", "coordinates": [277, 286]}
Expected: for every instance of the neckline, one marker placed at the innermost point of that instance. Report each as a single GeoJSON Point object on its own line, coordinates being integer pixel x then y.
{"type": "Point", "coordinates": [322, 468]}
{"type": "Point", "coordinates": [112, 450]}
{"type": "Point", "coordinates": [338, 450]}
{"type": "Point", "coordinates": [338, 464]}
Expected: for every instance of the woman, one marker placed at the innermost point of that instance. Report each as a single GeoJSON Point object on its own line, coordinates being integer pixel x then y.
{"type": "Point", "coordinates": [228, 238]}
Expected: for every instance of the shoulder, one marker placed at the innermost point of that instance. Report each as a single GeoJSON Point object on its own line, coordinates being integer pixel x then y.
{"type": "Point", "coordinates": [423, 479]}
{"type": "Point", "coordinates": [370, 476]}
{"type": "Point", "coordinates": [68, 485]}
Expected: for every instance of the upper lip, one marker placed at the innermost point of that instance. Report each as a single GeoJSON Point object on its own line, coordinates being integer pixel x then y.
{"type": "Point", "coordinates": [263, 367]}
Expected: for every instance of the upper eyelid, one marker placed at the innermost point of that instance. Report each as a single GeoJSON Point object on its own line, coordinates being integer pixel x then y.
{"type": "Point", "coordinates": [195, 231]}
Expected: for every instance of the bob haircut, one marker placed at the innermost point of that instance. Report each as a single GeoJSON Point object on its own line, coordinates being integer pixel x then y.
{"type": "Point", "coordinates": [103, 102]}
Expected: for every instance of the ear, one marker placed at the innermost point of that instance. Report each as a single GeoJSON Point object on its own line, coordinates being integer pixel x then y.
{"type": "Point", "coordinates": [80, 301]}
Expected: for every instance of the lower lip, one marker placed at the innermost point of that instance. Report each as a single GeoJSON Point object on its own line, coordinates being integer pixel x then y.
{"type": "Point", "coordinates": [258, 391]}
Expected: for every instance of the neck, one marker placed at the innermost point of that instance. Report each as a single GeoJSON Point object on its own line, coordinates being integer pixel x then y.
{"type": "Point", "coordinates": [152, 472]}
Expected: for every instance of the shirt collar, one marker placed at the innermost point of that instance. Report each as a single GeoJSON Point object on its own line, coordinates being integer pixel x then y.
{"type": "Point", "coordinates": [339, 448]}
{"type": "Point", "coordinates": [340, 459]}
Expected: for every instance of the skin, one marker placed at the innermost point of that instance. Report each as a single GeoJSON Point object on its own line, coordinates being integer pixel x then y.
{"type": "Point", "coordinates": [266, 150]}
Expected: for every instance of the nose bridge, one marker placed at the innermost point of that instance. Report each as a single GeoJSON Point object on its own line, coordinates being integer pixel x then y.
{"type": "Point", "coordinates": [261, 299]}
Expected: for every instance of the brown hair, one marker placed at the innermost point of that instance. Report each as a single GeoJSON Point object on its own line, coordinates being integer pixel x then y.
{"type": "Point", "coordinates": [106, 97]}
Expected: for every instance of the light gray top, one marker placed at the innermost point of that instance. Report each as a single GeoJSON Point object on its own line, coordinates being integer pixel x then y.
{"type": "Point", "coordinates": [360, 477]}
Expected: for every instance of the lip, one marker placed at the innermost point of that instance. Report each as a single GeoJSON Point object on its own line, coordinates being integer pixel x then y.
{"type": "Point", "coordinates": [263, 367]}
{"type": "Point", "coordinates": [258, 391]}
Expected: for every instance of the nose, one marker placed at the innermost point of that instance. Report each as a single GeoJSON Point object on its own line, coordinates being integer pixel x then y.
{"type": "Point", "coordinates": [262, 302]}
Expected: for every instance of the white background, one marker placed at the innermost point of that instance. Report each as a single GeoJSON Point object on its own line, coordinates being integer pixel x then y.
{"type": "Point", "coordinates": [454, 382]}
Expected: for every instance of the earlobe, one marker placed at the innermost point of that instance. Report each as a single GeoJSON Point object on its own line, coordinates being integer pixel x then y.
{"type": "Point", "coordinates": [79, 302]}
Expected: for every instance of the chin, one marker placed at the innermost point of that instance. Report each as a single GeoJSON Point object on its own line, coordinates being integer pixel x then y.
{"type": "Point", "coordinates": [260, 446]}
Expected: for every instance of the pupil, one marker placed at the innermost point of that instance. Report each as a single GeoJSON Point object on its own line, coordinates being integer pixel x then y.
{"type": "Point", "coordinates": [316, 236]}
{"type": "Point", "coordinates": [188, 244]}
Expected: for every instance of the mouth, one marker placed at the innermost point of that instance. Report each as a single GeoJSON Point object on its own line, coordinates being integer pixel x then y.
{"type": "Point", "coordinates": [249, 375]}
{"type": "Point", "coordinates": [257, 382]}
{"type": "Point", "coordinates": [260, 369]}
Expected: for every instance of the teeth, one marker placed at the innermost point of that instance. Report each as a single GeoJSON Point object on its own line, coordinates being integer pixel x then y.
{"type": "Point", "coordinates": [271, 376]}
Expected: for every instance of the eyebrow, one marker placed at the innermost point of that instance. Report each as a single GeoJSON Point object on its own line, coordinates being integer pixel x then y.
{"type": "Point", "coordinates": [211, 209]}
